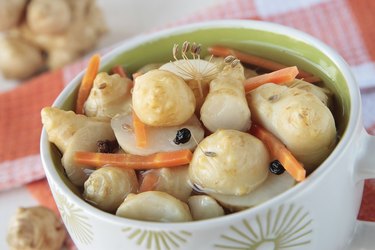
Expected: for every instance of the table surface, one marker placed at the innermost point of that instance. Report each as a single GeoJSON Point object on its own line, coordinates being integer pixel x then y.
{"type": "Point", "coordinates": [123, 24]}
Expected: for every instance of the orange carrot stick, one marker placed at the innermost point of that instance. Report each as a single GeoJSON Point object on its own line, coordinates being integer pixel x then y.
{"type": "Point", "coordinates": [278, 76]}
{"type": "Point", "coordinates": [140, 131]}
{"type": "Point", "coordinates": [87, 82]}
{"type": "Point", "coordinates": [251, 59]}
{"type": "Point", "coordinates": [280, 152]}
{"type": "Point", "coordinates": [119, 70]}
{"type": "Point", "coordinates": [130, 161]}
{"type": "Point", "coordinates": [149, 182]}
{"type": "Point", "coordinates": [312, 79]}
{"type": "Point", "coordinates": [136, 74]}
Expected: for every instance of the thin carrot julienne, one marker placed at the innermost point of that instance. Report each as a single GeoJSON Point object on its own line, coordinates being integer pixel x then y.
{"type": "Point", "coordinates": [253, 60]}
{"type": "Point", "coordinates": [87, 82]}
{"type": "Point", "coordinates": [312, 79]}
{"type": "Point", "coordinates": [136, 74]}
{"type": "Point", "coordinates": [279, 76]}
{"type": "Point", "coordinates": [278, 150]}
{"type": "Point", "coordinates": [149, 182]}
{"type": "Point", "coordinates": [130, 161]}
{"type": "Point", "coordinates": [140, 131]}
{"type": "Point", "coordinates": [247, 58]}
{"type": "Point", "coordinates": [119, 70]}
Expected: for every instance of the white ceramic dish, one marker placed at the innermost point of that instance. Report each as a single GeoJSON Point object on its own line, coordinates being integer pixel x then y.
{"type": "Point", "coordinates": [319, 213]}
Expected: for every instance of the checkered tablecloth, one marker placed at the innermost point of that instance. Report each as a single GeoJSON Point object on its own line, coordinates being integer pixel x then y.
{"type": "Point", "coordinates": [345, 25]}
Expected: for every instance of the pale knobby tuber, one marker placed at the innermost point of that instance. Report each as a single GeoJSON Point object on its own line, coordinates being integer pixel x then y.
{"type": "Point", "coordinates": [298, 118]}
{"type": "Point", "coordinates": [220, 64]}
{"type": "Point", "coordinates": [324, 94]}
{"type": "Point", "coordinates": [35, 228]}
{"type": "Point", "coordinates": [48, 17]}
{"type": "Point", "coordinates": [18, 58]}
{"type": "Point", "coordinates": [229, 162]}
{"type": "Point", "coordinates": [11, 12]}
{"type": "Point", "coordinates": [197, 73]}
{"type": "Point", "coordinates": [174, 181]}
{"type": "Point", "coordinates": [109, 96]}
{"type": "Point", "coordinates": [225, 106]}
{"type": "Point", "coordinates": [154, 206]}
{"type": "Point", "coordinates": [61, 125]}
{"type": "Point", "coordinates": [61, 30]}
{"type": "Point", "coordinates": [204, 207]}
{"type": "Point", "coordinates": [107, 187]}
{"type": "Point", "coordinates": [71, 133]}
{"type": "Point", "coordinates": [162, 98]}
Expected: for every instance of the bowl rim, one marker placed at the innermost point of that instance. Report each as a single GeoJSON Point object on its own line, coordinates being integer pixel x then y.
{"type": "Point", "coordinates": [354, 123]}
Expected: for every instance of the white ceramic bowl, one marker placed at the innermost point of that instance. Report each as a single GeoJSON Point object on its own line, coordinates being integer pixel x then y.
{"type": "Point", "coordinates": [318, 213]}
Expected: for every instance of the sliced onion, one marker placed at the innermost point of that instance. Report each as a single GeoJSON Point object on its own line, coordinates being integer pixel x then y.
{"type": "Point", "coordinates": [271, 187]}
{"type": "Point", "coordinates": [159, 139]}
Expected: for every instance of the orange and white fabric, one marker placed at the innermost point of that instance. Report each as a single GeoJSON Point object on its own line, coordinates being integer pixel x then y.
{"type": "Point", "coordinates": [345, 25]}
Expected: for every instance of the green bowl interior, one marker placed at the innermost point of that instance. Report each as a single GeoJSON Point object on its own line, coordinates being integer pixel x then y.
{"type": "Point", "coordinates": [277, 47]}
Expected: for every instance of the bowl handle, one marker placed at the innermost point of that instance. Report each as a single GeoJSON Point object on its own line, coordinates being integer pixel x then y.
{"type": "Point", "coordinates": [365, 165]}
{"type": "Point", "coordinates": [363, 238]}
{"type": "Point", "coordinates": [365, 169]}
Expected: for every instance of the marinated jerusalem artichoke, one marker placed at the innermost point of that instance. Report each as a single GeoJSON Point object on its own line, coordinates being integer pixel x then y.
{"type": "Point", "coordinates": [161, 98]}
{"type": "Point", "coordinates": [109, 96]}
{"type": "Point", "coordinates": [204, 207]}
{"type": "Point", "coordinates": [173, 181]}
{"type": "Point", "coordinates": [154, 206]}
{"type": "Point", "coordinates": [229, 162]}
{"type": "Point", "coordinates": [298, 118]}
{"type": "Point", "coordinates": [197, 77]}
{"type": "Point", "coordinates": [60, 30]}
{"type": "Point", "coordinates": [183, 144]}
{"type": "Point", "coordinates": [71, 133]}
{"type": "Point", "coordinates": [225, 106]}
{"type": "Point", "coordinates": [35, 228]}
{"type": "Point", "coordinates": [107, 187]}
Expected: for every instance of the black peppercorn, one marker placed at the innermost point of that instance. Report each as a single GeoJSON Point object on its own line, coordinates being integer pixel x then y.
{"type": "Point", "coordinates": [182, 136]}
{"type": "Point", "coordinates": [107, 146]}
{"type": "Point", "coordinates": [276, 167]}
